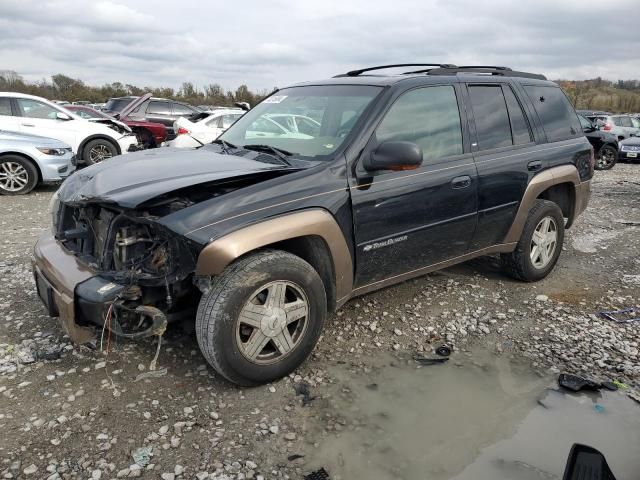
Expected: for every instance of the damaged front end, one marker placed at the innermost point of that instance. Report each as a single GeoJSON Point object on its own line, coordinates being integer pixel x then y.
{"type": "Point", "coordinates": [142, 271]}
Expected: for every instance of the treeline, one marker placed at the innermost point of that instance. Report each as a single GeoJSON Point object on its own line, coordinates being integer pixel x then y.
{"type": "Point", "coordinates": [62, 87]}
{"type": "Point", "coordinates": [622, 96]}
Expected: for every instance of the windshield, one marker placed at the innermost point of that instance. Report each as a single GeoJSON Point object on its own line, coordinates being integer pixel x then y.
{"type": "Point", "coordinates": [306, 121]}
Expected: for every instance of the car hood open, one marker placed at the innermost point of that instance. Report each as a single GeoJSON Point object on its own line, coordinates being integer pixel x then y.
{"type": "Point", "coordinates": [132, 179]}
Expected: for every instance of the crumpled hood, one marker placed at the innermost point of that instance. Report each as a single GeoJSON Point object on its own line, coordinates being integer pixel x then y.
{"type": "Point", "coordinates": [131, 179]}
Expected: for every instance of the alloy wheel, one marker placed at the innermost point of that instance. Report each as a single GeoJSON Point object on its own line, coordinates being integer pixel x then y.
{"type": "Point", "coordinates": [544, 242]}
{"type": "Point", "coordinates": [13, 176]}
{"type": "Point", "coordinates": [272, 322]}
{"type": "Point", "coordinates": [99, 153]}
{"type": "Point", "coordinates": [606, 158]}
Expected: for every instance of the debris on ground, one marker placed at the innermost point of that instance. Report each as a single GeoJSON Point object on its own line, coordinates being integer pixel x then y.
{"type": "Point", "coordinates": [443, 350]}
{"type": "Point", "coordinates": [320, 474]}
{"type": "Point", "coordinates": [142, 456]}
{"type": "Point", "coordinates": [576, 383]}
{"type": "Point", "coordinates": [625, 315]}
{"type": "Point", "coordinates": [161, 372]}
{"type": "Point", "coordinates": [303, 389]}
{"type": "Point", "coordinates": [424, 361]}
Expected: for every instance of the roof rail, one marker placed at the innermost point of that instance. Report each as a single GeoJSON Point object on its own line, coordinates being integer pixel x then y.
{"type": "Point", "coordinates": [502, 71]}
{"type": "Point", "coordinates": [355, 73]}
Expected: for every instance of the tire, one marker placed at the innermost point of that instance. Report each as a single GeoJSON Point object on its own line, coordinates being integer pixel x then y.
{"type": "Point", "coordinates": [98, 150]}
{"type": "Point", "coordinates": [18, 175]}
{"type": "Point", "coordinates": [242, 293]}
{"type": "Point", "coordinates": [607, 158]}
{"type": "Point", "coordinates": [519, 264]}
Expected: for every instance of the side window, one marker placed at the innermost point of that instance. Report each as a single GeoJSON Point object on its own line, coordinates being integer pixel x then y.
{"type": "Point", "coordinates": [159, 108]}
{"type": "Point", "coordinates": [626, 122]}
{"type": "Point", "coordinates": [227, 120]}
{"type": "Point", "coordinates": [426, 116]}
{"type": "Point", "coordinates": [266, 125]}
{"type": "Point", "coordinates": [5, 106]}
{"type": "Point", "coordinates": [36, 109]}
{"type": "Point", "coordinates": [179, 109]}
{"type": "Point", "coordinates": [558, 117]}
{"type": "Point", "coordinates": [491, 117]}
{"type": "Point", "coordinates": [519, 124]}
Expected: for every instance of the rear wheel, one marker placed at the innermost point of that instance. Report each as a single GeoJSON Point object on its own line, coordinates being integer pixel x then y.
{"type": "Point", "coordinates": [262, 318]}
{"type": "Point", "coordinates": [607, 158]}
{"type": "Point", "coordinates": [98, 150]}
{"type": "Point", "coordinates": [17, 175]}
{"type": "Point", "coordinates": [539, 246]}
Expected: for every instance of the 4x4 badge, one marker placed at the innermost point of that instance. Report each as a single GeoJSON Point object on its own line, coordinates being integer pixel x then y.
{"type": "Point", "coordinates": [385, 243]}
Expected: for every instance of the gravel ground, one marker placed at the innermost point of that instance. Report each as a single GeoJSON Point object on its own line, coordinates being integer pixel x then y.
{"type": "Point", "coordinates": [77, 413]}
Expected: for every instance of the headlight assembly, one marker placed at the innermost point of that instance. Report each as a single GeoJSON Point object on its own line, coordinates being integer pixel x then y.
{"type": "Point", "coordinates": [56, 152]}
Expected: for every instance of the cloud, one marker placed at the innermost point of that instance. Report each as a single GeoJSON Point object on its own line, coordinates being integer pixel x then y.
{"type": "Point", "coordinates": [264, 44]}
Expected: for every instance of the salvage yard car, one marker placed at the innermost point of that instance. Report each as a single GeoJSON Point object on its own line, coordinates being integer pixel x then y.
{"type": "Point", "coordinates": [26, 160]}
{"type": "Point", "coordinates": [91, 142]}
{"type": "Point", "coordinates": [257, 239]}
{"type": "Point", "coordinates": [629, 150]}
{"type": "Point", "coordinates": [203, 127]}
{"type": "Point", "coordinates": [605, 144]}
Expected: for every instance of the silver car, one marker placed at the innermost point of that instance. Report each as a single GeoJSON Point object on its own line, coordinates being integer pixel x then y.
{"type": "Point", "coordinates": [622, 126]}
{"type": "Point", "coordinates": [26, 160]}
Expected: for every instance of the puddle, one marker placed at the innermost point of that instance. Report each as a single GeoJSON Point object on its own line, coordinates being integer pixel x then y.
{"type": "Point", "coordinates": [477, 417]}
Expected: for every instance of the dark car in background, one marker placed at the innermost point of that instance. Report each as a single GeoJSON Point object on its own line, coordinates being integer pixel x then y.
{"type": "Point", "coordinates": [150, 134]}
{"type": "Point", "coordinates": [157, 110]}
{"type": "Point", "coordinates": [629, 150]}
{"type": "Point", "coordinates": [605, 144]}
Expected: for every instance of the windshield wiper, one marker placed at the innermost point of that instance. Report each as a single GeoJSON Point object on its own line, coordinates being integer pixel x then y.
{"type": "Point", "coordinates": [277, 152]}
{"type": "Point", "coordinates": [226, 146]}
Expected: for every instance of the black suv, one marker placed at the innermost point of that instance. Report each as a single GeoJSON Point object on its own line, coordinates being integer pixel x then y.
{"type": "Point", "coordinates": [258, 236]}
{"type": "Point", "coordinates": [158, 110]}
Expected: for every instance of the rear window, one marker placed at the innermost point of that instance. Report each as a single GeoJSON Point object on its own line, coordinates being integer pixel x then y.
{"type": "Point", "coordinates": [558, 117]}
{"type": "Point", "coordinates": [5, 106]}
{"type": "Point", "coordinates": [117, 104]}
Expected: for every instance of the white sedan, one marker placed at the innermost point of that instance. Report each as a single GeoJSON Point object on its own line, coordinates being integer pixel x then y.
{"type": "Point", "coordinates": [91, 142]}
{"type": "Point", "coordinates": [203, 128]}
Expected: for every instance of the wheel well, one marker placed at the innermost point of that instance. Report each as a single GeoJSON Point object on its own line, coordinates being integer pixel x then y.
{"type": "Point", "coordinates": [26, 157]}
{"type": "Point", "coordinates": [563, 195]}
{"type": "Point", "coordinates": [97, 137]}
{"type": "Point", "coordinates": [145, 132]}
{"type": "Point", "coordinates": [314, 250]}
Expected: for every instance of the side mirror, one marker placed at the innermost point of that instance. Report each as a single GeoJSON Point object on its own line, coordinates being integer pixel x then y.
{"type": "Point", "coordinates": [394, 156]}
{"type": "Point", "coordinates": [62, 116]}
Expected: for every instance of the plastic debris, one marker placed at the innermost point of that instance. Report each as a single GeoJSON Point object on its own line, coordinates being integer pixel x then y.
{"type": "Point", "coordinates": [576, 383]}
{"type": "Point", "coordinates": [620, 385]}
{"type": "Point", "coordinates": [151, 374]}
{"type": "Point", "coordinates": [610, 386]}
{"type": "Point", "coordinates": [294, 457]}
{"type": "Point", "coordinates": [625, 315]}
{"type": "Point", "coordinates": [443, 350]}
{"type": "Point", "coordinates": [320, 474]}
{"type": "Point", "coordinates": [598, 408]}
{"type": "Point", "coordinates": [142, 456]}
{"type": "Point", "coordinates": [372, 386]}
{"type": "Point", "coordinates": [429, 361]}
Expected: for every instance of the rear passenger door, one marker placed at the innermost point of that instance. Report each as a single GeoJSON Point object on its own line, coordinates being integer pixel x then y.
{"type": "Point", "coordinates": [160, 112]}
{"type": "Point", "coordinates": [8, 121]}
{"type": "Point", "coordinates": [408, 219]}
{"type": "Point", "coordinates": [505, 155]}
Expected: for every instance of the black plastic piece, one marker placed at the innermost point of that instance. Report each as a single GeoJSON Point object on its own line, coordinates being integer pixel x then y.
{"type": "Point", "coordinates": [443, 351]}
{"type": "Point", "coordinates": [320, 474]}
{"type": "Point", "coordinates": [501, 71]}
{"type": "Point", "coordinates": [586, 463]}
{"type": "Point", "coordinates": [576, 383]}
{"type": "Point", "coordinates": [429, 361]}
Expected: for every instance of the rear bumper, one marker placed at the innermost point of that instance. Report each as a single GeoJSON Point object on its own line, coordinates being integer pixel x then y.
{"type": "Point", "coordinates": [582, 196]}
{"type": "Point", "coordinates": [70, 289]}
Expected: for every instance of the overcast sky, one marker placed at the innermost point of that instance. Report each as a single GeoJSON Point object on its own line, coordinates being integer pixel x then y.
{"type": "Point", "coordinates": [277, 42]}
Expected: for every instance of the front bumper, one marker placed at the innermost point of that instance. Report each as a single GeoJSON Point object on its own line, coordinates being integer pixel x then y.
{"type": "Point", "coordinates": [70, 289]}
{"type": "Point", "coordinates": [128, 143]}
{"type": "Point", "coordinates": [628, 156]}
{"type": "Point", "coordinates": [55, 169]}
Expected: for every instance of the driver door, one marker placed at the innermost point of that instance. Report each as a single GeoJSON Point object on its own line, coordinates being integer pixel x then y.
{"type": "Point", "coordinates": [407, 220]}
{"type": "Point", "coordinates": [38, 118]}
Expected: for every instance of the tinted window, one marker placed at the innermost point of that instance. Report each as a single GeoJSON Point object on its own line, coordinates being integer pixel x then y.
{"type": "Point", "coordinates": [5, 106]}
{"type": "Point", "coordinates": [558, 117]}
{"type": "Point", "coordinates": [519, 125]}
{"type": "Point", "coordinates": [117, 104]}
{"type": "Point", "coordinates": [179, 109]}
{"type": "Point", "coordinates": [584, 123]}
{"type": "Point", "coordinates": [36, 109]}
{"type": "Point", "coordinates": [428, 117]}
{"type": "Point", "coordinates": [159, 108]}
{"type": "Point", "coordinates": [490, 113]}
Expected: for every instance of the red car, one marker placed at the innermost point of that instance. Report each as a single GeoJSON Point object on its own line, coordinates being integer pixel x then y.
{"type": "Point", "coordinates": [150, 134]}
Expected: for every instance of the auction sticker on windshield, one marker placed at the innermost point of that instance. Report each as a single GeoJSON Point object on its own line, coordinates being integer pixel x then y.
{"type": "Point", "coordinates": [275, 99]}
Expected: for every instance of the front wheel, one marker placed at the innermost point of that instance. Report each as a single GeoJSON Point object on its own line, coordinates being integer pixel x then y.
{"type": "Point", "coordinates": [17, 175]}
{"type": "Point", "coordinates": [539, 246]}
{"type": "Point", "coordinates": [98, 150]}
{"type": "Point", "coordinates": [607, 157]}
{"type": "Point", "coordinates": [262, 317]}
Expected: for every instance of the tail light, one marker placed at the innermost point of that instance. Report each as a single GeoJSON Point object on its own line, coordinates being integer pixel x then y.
{"type": "Point", "coordinates": [182, 131]}
{"type": "Point", "coordinates": [607, 127]}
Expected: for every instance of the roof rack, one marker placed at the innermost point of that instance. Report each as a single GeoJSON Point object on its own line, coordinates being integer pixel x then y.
{"type": "Point", "coordinates": [448, 69]}
{"type": "Point", "coordinates": [355, 73]}
{"type": "Point", "coordinates": [486, 69]}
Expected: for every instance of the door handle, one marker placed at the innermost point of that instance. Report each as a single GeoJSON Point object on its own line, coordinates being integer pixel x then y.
{"type": "Point", "coordinates": [534, 166]}
{"type": "Point", "coordinates": [28, 125]}
{"type": "Point", "coordinates": [461, 182]}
